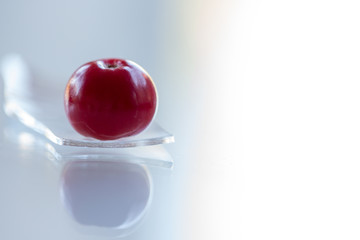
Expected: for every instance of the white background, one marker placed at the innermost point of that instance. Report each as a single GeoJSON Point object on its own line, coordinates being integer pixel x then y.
{"type": "Point", "coordinates": [262, 96]}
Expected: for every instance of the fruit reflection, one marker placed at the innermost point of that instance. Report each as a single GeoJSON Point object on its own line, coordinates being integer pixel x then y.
{"type": "Point", "coordinates": [105, 194]}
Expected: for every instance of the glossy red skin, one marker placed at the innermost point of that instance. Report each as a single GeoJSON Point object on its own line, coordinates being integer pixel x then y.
{"type": "Point", "coordinates": [109, 99]}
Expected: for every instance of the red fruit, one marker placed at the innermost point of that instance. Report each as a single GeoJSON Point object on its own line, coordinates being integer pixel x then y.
{"type": "Point", "coordinates": [110, 98]}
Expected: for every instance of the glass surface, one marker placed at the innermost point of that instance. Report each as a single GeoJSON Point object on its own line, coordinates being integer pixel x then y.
{"type": "Point", "coordinates": [155, 155]}
{"type": "Point", "coordinates": [41, 108]}
{"type": "Point", "coordinates": [27, 139]}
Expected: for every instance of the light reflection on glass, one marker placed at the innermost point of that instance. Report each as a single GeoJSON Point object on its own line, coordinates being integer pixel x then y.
{"type": "Point", "coordinates": [26, 141]}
